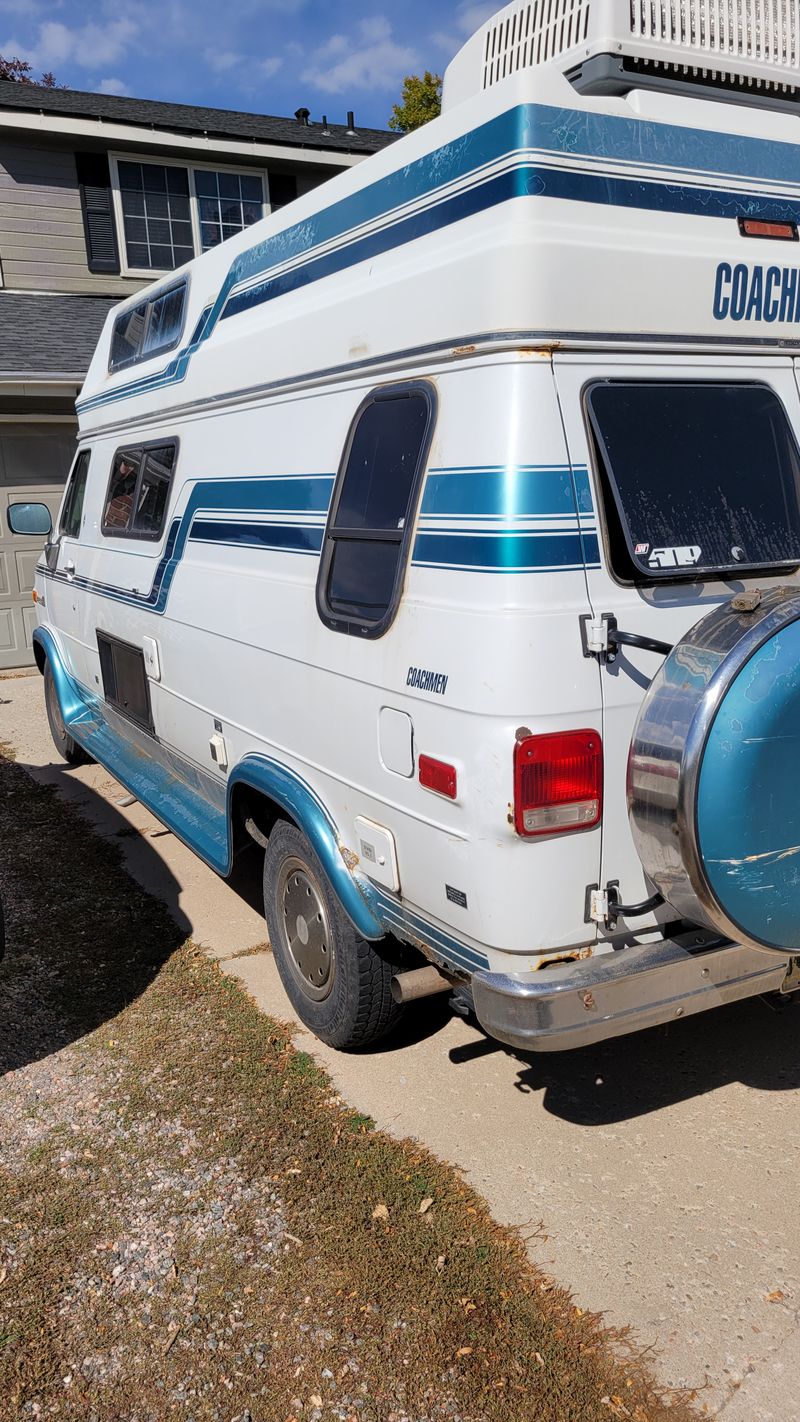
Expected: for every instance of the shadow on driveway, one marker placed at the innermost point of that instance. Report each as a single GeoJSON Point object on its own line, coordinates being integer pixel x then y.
{"type": "Point", "coordinates": [83, 955]}
{"type": "Point", "coordinates": [756, 1042]}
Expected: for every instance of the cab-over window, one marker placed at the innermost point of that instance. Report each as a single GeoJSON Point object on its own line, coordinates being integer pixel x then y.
{"type": "Point", "coordinates": [138, 491]}
{"type": "Point", "coordinates": [370, 525]}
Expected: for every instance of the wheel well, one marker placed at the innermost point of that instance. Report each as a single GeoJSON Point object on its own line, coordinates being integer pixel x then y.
{"type": "Point", "coordinates": [260, 810]}
{"type": "Point", "coordinates": [40, 655]}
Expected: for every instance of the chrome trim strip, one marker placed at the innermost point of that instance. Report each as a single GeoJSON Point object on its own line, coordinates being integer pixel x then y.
{"type": "Point", "coordinates": [450, 350]}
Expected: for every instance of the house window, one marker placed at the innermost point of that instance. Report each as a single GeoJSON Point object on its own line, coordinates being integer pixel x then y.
{"type": "Point", "coordinates": [171, 213]}
{"type": "Point", "coordinates": [157, 215]}
{"type": "Point", "coordinates": [138, 491]}
{"type": "Point", "coordinates": [227, 202]}
{"type": "Point", "coordinates": [72, 512]}
{"type": "Point", "coordinates": [371, 521]}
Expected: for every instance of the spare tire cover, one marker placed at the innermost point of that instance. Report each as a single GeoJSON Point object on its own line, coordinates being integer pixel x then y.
{"type": "Point", "coordinates": [714, 773]}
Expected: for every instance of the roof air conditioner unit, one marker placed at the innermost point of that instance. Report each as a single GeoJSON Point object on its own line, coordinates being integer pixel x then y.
{"type": "Point", "coordinates": [748, 50]}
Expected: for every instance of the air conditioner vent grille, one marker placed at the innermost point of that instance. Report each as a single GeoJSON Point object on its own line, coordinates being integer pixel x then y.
{"type": "Point", "coordinates": [533, 34]}
{"type": "Point", "coordinates": [765, 31]}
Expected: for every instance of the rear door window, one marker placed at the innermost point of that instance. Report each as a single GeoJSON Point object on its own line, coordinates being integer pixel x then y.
{"type": "Point", "coordinates": [697, 478]}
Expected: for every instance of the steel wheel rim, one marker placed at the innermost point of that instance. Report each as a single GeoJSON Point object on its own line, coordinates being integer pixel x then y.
{"type": "Point", "coordinates": [306, 930]}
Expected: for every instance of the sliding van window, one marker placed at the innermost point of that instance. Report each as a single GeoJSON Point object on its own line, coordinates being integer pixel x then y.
{"type": "Point", "coordinates": [150, 328]}
{"type": "Point", "coordinates": [370, 525]}
{"type": "Point", "coordinates": [72, 512]}
{"type": "Point", "coordinates": [698, 478]}
{"type": "Point", "coordinates": [138, 491]}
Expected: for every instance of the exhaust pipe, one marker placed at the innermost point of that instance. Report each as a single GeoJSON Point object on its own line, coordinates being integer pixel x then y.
{"type": "Point", "coordinates": [419, 982]}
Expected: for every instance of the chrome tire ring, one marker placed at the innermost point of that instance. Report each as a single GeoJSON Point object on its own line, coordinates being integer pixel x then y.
{"type": "Point", "coordinates": [307, 934]}
{"type": "Point", "coordinates": [714, 773]}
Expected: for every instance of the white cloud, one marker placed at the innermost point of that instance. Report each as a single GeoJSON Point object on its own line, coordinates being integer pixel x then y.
{"type": "Point", "coordinates": [222, 61]}
{"type": "Point", "coordinates": [88, 46]}
{"type": "Point", "coordinates": [112, 86]}
{"type": "Point", "coordinates": [468, 18]}
{"type": "Point", "coordinates": [371, 59]}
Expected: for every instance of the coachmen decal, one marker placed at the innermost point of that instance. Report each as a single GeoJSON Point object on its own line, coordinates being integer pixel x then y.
{"type": "Point", "coordinates": [744, 293]}
{"type": "Point", "coordinates": [427, 680]}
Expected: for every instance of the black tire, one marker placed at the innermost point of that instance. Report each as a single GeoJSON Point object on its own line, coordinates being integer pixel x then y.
{"type": "Point", "coordinates": [67, 748]}
{"type": "Point", "coordinates": [337, 982]}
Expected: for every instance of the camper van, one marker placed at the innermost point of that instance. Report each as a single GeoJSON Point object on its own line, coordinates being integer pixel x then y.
{"type": "Point", "coordinates": [439, 535]}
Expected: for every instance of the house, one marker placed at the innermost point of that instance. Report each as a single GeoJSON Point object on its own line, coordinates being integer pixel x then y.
{"type": "Point", "coordinates": [99, 194]}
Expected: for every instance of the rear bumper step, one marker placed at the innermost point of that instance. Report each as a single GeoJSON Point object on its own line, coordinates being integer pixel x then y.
{"type": "Point", "coordinates": [575, 1004]}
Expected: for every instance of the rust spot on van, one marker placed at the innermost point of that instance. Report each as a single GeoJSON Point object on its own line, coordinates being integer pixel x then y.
{"type": "Point", "coordinates": [568, 955]}
{"type": "Point", "coordinates": [464, 350]}
{"type": "Point", "coordinates": [351, 860]}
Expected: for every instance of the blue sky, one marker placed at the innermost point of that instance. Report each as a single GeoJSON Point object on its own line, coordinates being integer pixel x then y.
{"type": "Point", "coordinates": [269, 56]}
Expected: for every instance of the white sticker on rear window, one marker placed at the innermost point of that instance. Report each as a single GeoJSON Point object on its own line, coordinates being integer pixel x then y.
{"type": "Point", "coordinates": [683, 557]}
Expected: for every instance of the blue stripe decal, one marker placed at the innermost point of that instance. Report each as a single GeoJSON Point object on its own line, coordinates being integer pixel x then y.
{"type": "Point", "coordinates": [289, 538]}
{"type": "Point", "coordinates": [401, 920]}
{"type": "Point", "coordinates": [499, 552]}
{"type": "Point", "coordinates": [287, 514]}
{"type": "Point", "coordinates": [508, 492]}
{"type": "Point", "coordinates": [678, 175]}
{"type": "Point", "coordinates": [528, 180]}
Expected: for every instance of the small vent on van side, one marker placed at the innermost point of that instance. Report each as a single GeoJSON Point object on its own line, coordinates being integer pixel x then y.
{"type": "Point", "coordinates": [766, 31]}
{"type": "Point", "coordinates": [533, 34]}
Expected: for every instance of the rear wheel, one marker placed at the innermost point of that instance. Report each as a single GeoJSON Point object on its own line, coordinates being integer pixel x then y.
{"type": "Point", "coordinates": [337, 982]}
{"type": "Point", "coordinates": [65, 744]}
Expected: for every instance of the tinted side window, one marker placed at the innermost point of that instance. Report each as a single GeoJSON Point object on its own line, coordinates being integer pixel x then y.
{"type": "Point", "coordinates": [73, 504]}
{"type": "Point", "coordinates": [697, 477]}
{"type": "Point", "coordinates": [372, 513]}
{"type": "Point", "coordinates": [151, 327]}
{"type": "Point", "coordinates": [138, 491]}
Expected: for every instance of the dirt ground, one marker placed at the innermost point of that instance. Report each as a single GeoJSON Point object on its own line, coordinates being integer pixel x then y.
{"type": "Point", "coordinates": [662, 1167]}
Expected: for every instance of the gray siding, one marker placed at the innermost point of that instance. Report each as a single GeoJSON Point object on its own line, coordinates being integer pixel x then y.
{"type": "Point", "coordinates": [42, 246]}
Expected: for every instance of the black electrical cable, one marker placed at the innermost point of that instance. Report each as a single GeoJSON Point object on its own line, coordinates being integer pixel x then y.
{"type": "Point", "coordinates": [633, 639]}
{"type": "Point", "coordinates": [617, 910]}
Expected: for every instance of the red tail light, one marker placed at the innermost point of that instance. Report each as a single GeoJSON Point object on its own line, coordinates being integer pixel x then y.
{"type": "Point", "coordinates": [558, 782]}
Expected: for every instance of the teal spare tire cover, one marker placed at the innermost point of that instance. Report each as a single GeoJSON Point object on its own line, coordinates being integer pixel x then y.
{"type": "Point", "coordinates": [714, 773]}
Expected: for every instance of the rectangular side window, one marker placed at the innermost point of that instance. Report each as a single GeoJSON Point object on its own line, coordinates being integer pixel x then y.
{"type": "Point", "coordinates": [72, 512]}
{"type": "Point", "coordinates": [372, 513]}
{"type": "Point", "coordinates": [149, 328]}
{"type": "Point", "coordinates": [138, 491]}
{"type": "Point", "coordinates": [697, 478]}
{"type": "Point", "coordinates": [125, 683]}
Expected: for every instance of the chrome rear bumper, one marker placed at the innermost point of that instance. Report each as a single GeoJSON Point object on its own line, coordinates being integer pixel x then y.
{"type": "Point", "coordinates": [611, 994]}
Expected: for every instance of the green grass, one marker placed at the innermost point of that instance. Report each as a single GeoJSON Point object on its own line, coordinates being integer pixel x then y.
{"type": "Point", "coordinates": [375, 1308]}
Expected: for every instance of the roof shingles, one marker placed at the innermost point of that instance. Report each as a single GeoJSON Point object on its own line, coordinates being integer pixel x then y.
{"type": "Point", "coordinates": [49, 335]}
{"type": "Point", "coordinates": [186, 118]}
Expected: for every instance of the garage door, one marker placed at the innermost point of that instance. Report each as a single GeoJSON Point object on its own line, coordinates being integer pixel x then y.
{"type": "Point", "coordinates": [34, 463]}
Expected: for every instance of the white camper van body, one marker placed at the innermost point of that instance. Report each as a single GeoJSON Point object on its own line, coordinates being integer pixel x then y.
{"type": "Point", "coordinates": [531, 243]}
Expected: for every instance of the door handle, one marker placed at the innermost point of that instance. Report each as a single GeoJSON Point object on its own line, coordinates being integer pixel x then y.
{"type": "Point", "coordinates": [69, 567]}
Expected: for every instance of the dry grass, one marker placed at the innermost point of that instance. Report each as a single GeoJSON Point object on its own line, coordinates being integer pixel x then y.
{"type": "Point", "coordinates": [192, 1225]}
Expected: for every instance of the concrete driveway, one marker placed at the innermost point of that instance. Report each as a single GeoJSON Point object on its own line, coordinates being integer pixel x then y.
{"type": "Point", "coordinates": [657, 1177]}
